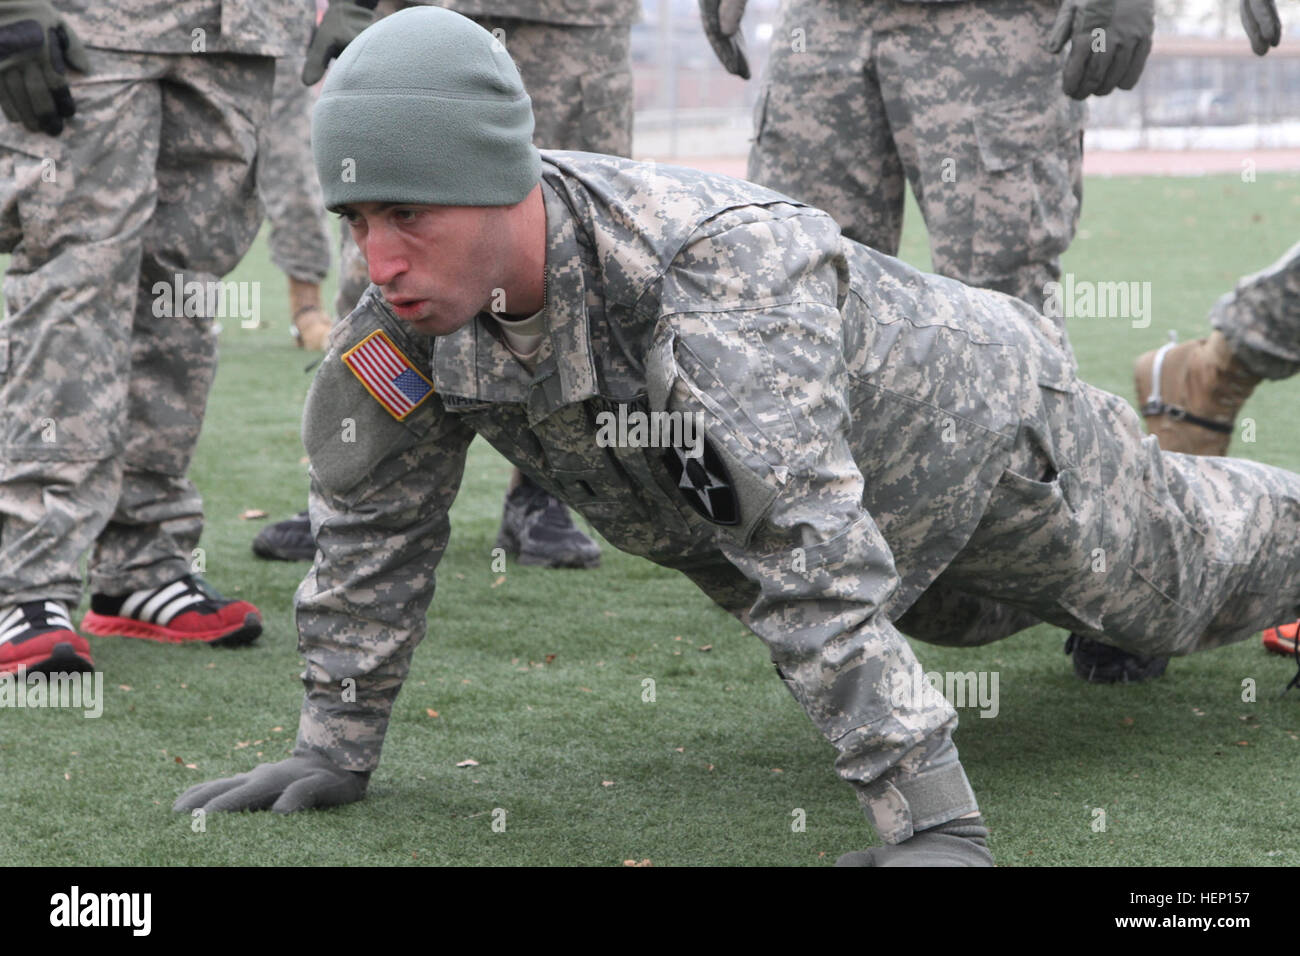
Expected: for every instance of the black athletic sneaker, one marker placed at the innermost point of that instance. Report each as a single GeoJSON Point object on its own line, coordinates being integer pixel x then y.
{"type": "Point", "coordinates": [1099, 663]}
{"type": "Point", "coordinates": [537, 529]}
{"type": "Point", "coordinates": [288, 540]}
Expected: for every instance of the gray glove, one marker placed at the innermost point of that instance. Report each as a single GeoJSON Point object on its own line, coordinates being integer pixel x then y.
{"type": "Point", "coordinates": [1259, 17]}
{"type": "Point", "coordinates": [298, 783]}
{"type": "Point", "coordinates": [36, 49]}
{"type": "Point", "coordinates": [1124, 43]}
{"type": "Point", "coordinates": [342, 23]}
{"type": "Point", "coordinates": [722, 26]}
{"type": "Point", "coordinates": [955, 843]}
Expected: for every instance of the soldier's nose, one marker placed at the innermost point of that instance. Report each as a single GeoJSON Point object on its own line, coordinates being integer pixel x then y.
{"type": "Point", "coordinates": [383, 258]}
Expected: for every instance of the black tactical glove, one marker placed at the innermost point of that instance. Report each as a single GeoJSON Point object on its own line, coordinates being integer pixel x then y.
{"type": "Point", "coordinates": [36, 49]}
{"type": "Point", "coordinates": [298, 783]}
{"type": "Point", "coordinates": [955, 843]}
{"type": "Point", "coordinates": [722, 27]}
{"type": "Point", "coordinates": [342, 22]}
{"type": "Point", "coordinates": [1259, 17]}
{"type": "Point", "coordinates": [1109, 43]}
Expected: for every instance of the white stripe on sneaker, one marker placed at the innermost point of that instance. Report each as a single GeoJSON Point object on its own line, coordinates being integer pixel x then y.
{"type": "Point", "coordinates": [133, 602]}
{"type": "Point", "coordinates": [176, 606]}
{"type": "Point", "coordinates": [7, 620]}
{"type": "Point", "coordinates": [159, 598]}
{"type": "Point", "coordinates": [57, 614]}
{"type": "Point", "coordinates": [8, 634]}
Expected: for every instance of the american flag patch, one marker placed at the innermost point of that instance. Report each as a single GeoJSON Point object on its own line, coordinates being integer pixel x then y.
{"type": "Point", "coordinates": [387, 374]}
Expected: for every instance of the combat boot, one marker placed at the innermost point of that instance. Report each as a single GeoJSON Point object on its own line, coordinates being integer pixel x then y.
{"type": "Point", "coordinates": [1099, 663]}
{"type": "Point", "coordinates": [311, 326]}
{"type": "Point", "coordinates": [537, 529]}
{"type": "Point", "coordinates": [287, 540]}
{"type": "Point", "coordinates": [1191, 393]}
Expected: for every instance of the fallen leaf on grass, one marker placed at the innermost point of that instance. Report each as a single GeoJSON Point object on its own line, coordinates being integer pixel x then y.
{"type": "Point", "coordinates": [549, 658]}
{"type": "Point", "coordinates": [499, 581]}
{"type": "Point", "coordinates": [635, 863]}
{"type": "Point", "coordinates": [1127, 721]}
{"type": "Point", "coordinates": [706, 647]}
{"type": "Point", "coordinates": [431, 712]}
{"type": "Point", "coordinates": [470, 762]}
{"type": "Point", "coordinates": [251, 514]}
{"type": "Point", "coordinates": [607, 783]}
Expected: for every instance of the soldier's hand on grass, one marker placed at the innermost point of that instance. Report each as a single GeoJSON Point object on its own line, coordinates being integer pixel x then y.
{"type": "Point", "coordinates": [36, 49]}
{"type": "Point", "coordinates": [342, 22]}
{"type": "Point", "coordinates": [1109, 44]}
{"type": "Point", "coordinates": [960, 842]}
{"type": "Point", "coordinates": [722, 26]}
{"type": "Point", "coordinates": [1259, 17]}
{"type": "Point", "coordinates": [298, 783]}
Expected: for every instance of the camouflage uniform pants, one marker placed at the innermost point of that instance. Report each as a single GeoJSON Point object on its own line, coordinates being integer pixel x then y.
{"type": "Point", "coordinates": [286, 179]}
{"type": "Point", "coordinates": [1261, 318]}
{"type": "Point", "coordinates": [102, 397]}
{"type": "Point", "coordinates": [961, 98]}
{"type": "Point", "coordinates": [1096, 530]}
{"type": "Point", "coordinates": [580, 81]}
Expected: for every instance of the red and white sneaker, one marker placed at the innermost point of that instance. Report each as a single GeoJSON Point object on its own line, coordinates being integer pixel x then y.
{"type": "Point", "coordinates": [38, 637]}
{"type": "Point", "coordinates": [1281, 639]}
{"type": "Point", "coordinates": [176, 613]}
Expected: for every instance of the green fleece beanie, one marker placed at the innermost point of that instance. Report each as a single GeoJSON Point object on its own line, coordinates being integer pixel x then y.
{"type": "Point", "coordinates": [424, 106]}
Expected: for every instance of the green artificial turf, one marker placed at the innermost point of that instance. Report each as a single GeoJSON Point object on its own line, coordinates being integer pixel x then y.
{"type": "Point", "coordinates": [538, 675]}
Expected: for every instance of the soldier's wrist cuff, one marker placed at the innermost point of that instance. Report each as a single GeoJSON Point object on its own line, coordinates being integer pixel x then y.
{"type": "Point", "coordinates": [901, 806]}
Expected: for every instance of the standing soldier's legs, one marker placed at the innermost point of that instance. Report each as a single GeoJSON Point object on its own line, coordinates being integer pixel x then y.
{"type": "Point", "coordinates": [206, 218]}
{"type": "Point", "coordinates": [820, 130]}
{"type": "Point", "coordinates": [290, 195]}
{"type": "Point", "coordinates": [73, 211]}
{"type": "Point", "coordinates": [992, 147]}
{"type": "Point", "coordinates": [579, 79]}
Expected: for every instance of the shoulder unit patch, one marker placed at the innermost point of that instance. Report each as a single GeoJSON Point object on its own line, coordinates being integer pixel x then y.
{"type": "Point", "coordinates": [704, 483]}
{"type": "Point", "coordinates": [388, 374]}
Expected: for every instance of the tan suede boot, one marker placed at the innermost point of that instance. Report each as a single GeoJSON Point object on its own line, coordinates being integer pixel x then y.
{"type": "Point", "coordinates": [311, 326]}
{"type": "Point", "coordinates": [1201, 388]}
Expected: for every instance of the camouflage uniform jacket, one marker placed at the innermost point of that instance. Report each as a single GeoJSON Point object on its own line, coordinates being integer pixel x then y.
{"type": "Point", "coordinates": [858, 414]}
